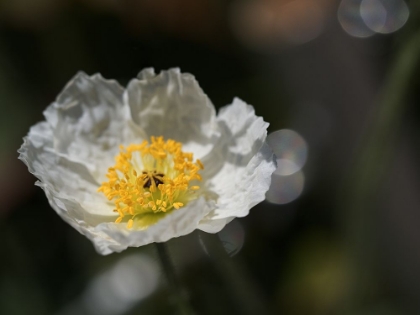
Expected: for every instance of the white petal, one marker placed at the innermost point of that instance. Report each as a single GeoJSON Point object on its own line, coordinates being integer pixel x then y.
{"type": "Point", "coordinates": [64, 178]}
{"type": "Point", "coordinates": [173, 105]}
{"type": "Point", "coordinates": [239, 168]}
{"type": "Point", "coordinates": [89, 121]}
{"type": "Point", "coordinates": [69, 211]}
{"type": "Point", "coordinates": [178, 223]}
{"type": "Point", "coordinates": [213, 225]}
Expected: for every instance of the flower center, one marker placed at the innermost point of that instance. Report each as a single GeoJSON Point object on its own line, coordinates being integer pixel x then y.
{"type": "Point", "coordinates": [150, 180]}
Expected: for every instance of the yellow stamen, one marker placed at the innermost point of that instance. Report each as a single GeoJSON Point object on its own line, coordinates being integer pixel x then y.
{"type": "Point", "coordinates": [200, 164]}
{"type": "Point", "coordinates": [149, 178]}
{"type": "Point", "coordinates": [130, 223]}
{"type": "Point", "coordinates": [178, 205]}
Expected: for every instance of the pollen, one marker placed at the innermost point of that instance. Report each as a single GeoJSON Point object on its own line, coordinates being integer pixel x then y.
{"type": "Point", "coordinates": [151, 178]}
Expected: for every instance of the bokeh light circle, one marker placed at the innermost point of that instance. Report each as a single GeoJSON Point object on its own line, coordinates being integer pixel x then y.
{"type": "Point", "coordinates": [266, 26]}
{"type": "Point", "coordinates": [285, 189]}
{"type": "Point", "coordinates": [232, 237]}
{"type": "Point", "coordinates": [116, 290]}
{"type": "Point", "coordinates": [384, 16]}
{"type": "Point", "coordinates": [290, 149]}
{"type": "Point", "coordinates": [351, 20]}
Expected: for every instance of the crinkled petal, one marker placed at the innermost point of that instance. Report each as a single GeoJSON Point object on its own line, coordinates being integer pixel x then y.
{"type": "Point", "coordinates": [177, 223]}
{"type": "Point", "coordinates": [66, 184]}
{"type": "Point", "coordinates": [239, 168]}
{"type": "Point", "coordinates": [63, 178]}
{"type": "Point", "coordinates": [89, 121]}
{"type": "Point", "coordinates": [172, 104]}
{"type": "Point", "coordinates": [69, 211]}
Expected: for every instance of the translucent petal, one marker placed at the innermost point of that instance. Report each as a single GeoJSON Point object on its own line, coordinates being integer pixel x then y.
{"type": "Point", "coordinates": [178, 223]}
{"type": "Point", "coordinates": [89, 121]}
{"type": "Point", "coordinates": [239, 167]}
{"type": "Point", "coordinates": [172, 104]}
{"type": "Point", "coordinates": [64, 178]}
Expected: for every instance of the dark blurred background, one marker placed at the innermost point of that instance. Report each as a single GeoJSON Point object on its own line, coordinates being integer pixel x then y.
{"type": "Point", "coordinates": [337, 80]}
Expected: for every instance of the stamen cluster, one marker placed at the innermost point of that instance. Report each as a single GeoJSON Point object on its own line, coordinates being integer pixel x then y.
{"type": "Point", "coordinates": [151, 178]}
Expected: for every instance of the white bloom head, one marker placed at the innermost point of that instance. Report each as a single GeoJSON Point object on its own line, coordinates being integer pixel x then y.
{"type": "Point", "coordinates": [128, 167]}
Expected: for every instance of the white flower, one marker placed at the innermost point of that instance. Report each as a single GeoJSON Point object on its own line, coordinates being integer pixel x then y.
{"type": "Point", "coordinates": [128, 167]}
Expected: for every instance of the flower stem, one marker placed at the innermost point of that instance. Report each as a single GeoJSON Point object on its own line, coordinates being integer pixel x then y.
{"type": "Point", "coordinates": [245, 294]}
{"type": "Point", "coordinates": [175, 286]}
